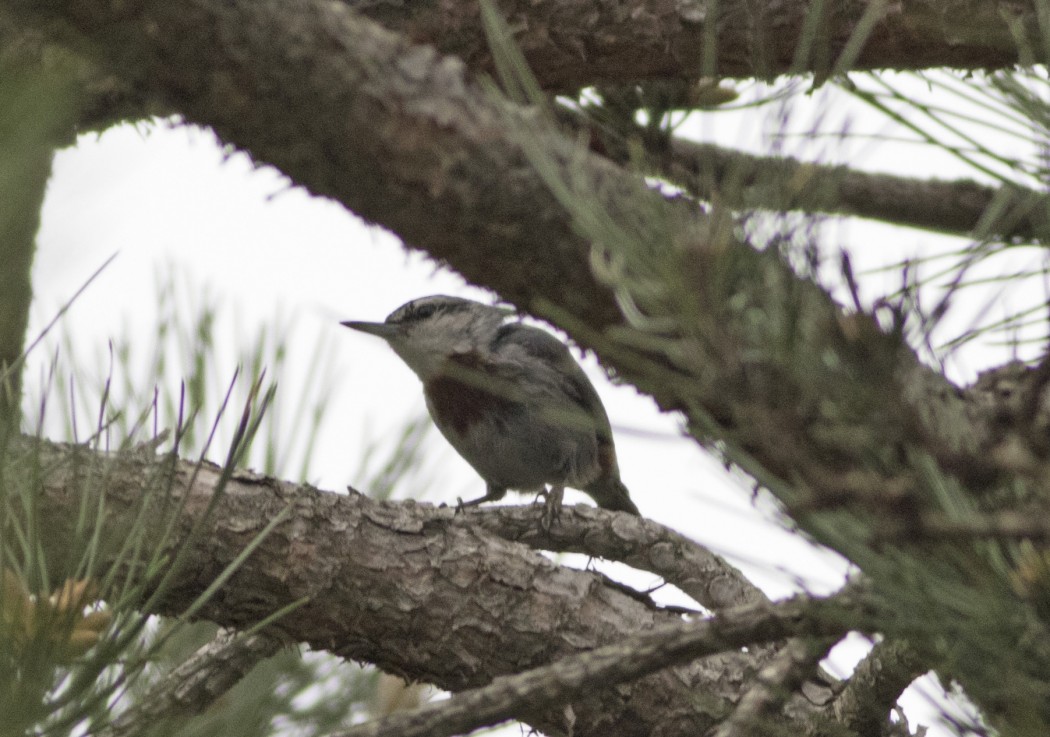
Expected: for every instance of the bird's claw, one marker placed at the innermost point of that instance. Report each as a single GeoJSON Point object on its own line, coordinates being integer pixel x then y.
{"type": "Point", "coordinates": [551, 507]}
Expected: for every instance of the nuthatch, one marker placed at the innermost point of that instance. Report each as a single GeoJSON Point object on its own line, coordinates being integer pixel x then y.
{"type": "Point", "coordinates": [509, 397]}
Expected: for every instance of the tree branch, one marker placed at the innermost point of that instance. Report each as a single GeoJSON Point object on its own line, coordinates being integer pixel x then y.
{"type": "Point", "coordinates": [875, 686]}
{"type": "Point", "coordinates": [563, 681]}
{"type": "Point", "coordinates": [1006, 525]}
{"type": "Point", "coordinates": [570, 45]}
{"type": "Point", "coordinates": [783, 183]}
{"type": "Point", "coordinates": [351, 558]}
{"type": "Point", "coordinates": [639, 543]}
{"type": "Point", "coordinates": [775, 682]}
{"type": "Point", "coordinates": [196, 683]}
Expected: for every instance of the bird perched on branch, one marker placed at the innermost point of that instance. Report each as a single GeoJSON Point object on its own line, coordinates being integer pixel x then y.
{"type": "Point", "coordinates": [509, 397]}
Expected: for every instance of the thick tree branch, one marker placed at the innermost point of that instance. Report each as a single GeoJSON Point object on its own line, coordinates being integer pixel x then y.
{"type": "Point", "coordinates": [417, 590]}
{"type": "Point", "coordinates": [565, 680]}
{"type": "Point", "coordinates": [575, 44]}
{"type": "Point", "coordinates": [571, 45]}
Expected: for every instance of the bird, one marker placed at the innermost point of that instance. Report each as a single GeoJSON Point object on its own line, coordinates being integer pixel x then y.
{"type": "Point", "coordinates": [509, 397]}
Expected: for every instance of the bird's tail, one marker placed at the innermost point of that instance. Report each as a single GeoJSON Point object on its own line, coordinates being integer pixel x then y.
{"type": "Point", "coordinates": [610, 493]}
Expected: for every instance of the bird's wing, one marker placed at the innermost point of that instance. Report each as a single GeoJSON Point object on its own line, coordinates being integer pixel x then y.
{"type": "Point", "coordinates": [571, 377]}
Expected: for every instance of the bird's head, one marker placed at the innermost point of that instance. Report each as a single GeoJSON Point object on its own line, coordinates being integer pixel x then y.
{"type": "Point", "coordinates": [428, 331]}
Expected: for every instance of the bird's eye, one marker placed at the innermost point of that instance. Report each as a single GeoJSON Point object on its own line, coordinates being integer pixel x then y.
{"type": "Point", "coordinates": [422, 312]}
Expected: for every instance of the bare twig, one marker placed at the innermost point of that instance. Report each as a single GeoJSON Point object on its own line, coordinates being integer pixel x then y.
{"type": "Point", "coordinates": [195, 684]}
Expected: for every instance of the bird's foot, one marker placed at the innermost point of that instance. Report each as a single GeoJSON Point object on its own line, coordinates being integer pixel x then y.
{"type": "Point", "coordinates": [461, 505]}
{"type": "Point", "coordinates": [492, 494]}
{"type": "Point", "coordinates": [552, 506]}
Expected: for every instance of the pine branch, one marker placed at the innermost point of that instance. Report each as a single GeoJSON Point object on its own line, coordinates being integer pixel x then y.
{"type": "Point", "coordinates": [706, 577]}
{"type": "Point", "coordinates": [570, 45]}
{"type": "Point", "coordinates": [1006, 525]}
{"type": "Point", "coordinates": [745, 181]}
{"type": "Point", "coordinates": [563, 681]}
{"type": "Point", "coordinates": [196, 683]}
{"type": "Point", "coordinates": [782, 676]}
{"type": "Point", "coordinates": [774, 183]}
{"type": "Point", "coordinates": [351, 557]}
{"type": "Point", "coordinates": [875, 686]}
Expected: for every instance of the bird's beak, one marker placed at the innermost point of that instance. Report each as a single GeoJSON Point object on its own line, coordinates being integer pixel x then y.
{"type": "Point", "coordinates": [378, 329]}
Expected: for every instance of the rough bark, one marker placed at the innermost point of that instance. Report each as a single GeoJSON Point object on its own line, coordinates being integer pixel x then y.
{"type": "Point", "coordinates": [571, 45]}
{"type": "Point", "coordinates": [773, 685]}
{"type": "Point", "coordinates": [419, 591]}
{"type": "Point", "coordinates": [698, 572]}
{"type": "Point", "coordinates": [566, 679]}
{"type": "Point", "coordinates": [875, 686]}
{"type": "Point", "coordinates": [574, 44]}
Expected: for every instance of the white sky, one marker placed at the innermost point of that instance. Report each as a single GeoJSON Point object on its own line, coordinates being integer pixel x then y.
{"type": "Point", "coordinates": [168, 199]}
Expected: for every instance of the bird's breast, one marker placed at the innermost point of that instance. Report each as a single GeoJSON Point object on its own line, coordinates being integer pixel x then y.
{"type": "Point", "coordinates": [513, 439]}
{"type": "Point", "coordinates": [463, 397]}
